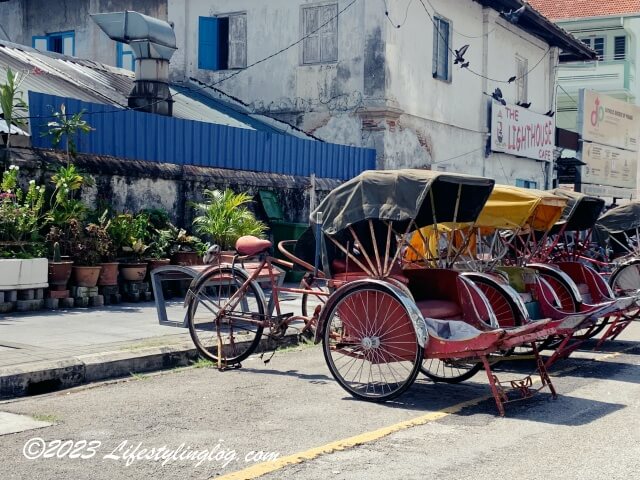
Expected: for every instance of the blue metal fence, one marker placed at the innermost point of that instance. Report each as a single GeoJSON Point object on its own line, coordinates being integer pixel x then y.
{"type": "Point", "coordinates": [144, 136]}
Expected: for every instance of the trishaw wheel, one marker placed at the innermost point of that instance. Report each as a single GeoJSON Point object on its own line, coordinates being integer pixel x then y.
{"type": "Point", "coordinates": [370, 343]}
{"type": "Point", "coordinates": [625, 280]}
{"type": "Point", "coordinates": [449, 370]}
{"type": "Point", "coordinates": [222, 329]}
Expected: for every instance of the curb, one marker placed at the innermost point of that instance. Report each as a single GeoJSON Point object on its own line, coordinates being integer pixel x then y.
{"type": "Point", "coordinates": [49, 376]}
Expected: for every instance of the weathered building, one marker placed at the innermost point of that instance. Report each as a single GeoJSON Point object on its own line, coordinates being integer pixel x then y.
{"type": "Point", "coordinates": [371, 73]}
{"type": "Point", "coordinates": [65, 26]}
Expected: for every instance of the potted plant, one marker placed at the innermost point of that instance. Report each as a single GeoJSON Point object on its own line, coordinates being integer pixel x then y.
{"type": "Point", "coordinates": [159, 249]}
{"type": "Point", "coordinates": [129, 233]}
{"type": "Point", "coordinates": [86, 250]}
{"type": "Point", "coordinates": [224, 217]}
{"type": "Point", "coordinates": [59, 269]}
{"type": "Point", "coordinates": [109, 273]}
{"type": "Point", "coordinates": [185, 249]}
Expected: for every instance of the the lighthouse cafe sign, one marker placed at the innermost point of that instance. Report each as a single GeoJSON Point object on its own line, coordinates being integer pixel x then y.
{"type": "Point", "coordinates": [518, 131]}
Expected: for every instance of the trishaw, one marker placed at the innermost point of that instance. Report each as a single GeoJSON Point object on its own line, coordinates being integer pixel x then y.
{"type": "Point", "coordinates": [388, 317]}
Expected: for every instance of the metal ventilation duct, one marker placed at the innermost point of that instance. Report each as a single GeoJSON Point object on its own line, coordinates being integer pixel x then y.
{"type": "Point", "coordinates": [153, 42]}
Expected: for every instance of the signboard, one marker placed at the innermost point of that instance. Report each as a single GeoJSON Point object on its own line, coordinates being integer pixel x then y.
{"type": "Point", "coordinates": [520, 132]}
{"type": "Point", "coordinates": [608, 121]}
{"type": "Point", "coordinates": [605, 191]}
{"type": "Point", "coordinates": [609, 166]}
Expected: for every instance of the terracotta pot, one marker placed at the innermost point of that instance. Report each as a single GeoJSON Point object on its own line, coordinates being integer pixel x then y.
{"type": "Point", "coordinates": [154, 263]}
{"type": "Point", "coordinates": [108, 274]}
{"type": "Point", "coordinates": [133, 272]}
{"type": "Point", "coordinates": [59, 274]}
{"type": "Point", "coordinates": [186, 258]}
{"type": "Point", "coordinates": [86, 276]}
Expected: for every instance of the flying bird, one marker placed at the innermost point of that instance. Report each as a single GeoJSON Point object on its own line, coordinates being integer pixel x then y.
{"type": "Point", "coordinates": [514, 15]}
{"type": "Point", "coordinates": [464, 65]}
{"type": "Point", "coordinates": [460, 54]}
{"type": "Point", "coordinates": [512, 79]}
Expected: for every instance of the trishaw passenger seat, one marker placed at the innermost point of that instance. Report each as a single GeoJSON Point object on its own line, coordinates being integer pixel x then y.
{"type": "Point", "coordinates": [250, 245]}
{"type": "Point", "coordinates": [440, 309]}
{"type": "Point", "coordinates": [451, 330]}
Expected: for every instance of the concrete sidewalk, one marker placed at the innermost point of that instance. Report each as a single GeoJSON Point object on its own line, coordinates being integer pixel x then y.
{"type": "Point", "coordinates": [46, 351]}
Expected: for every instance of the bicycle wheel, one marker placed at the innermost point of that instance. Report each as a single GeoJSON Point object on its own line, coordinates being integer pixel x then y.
{"type": "Point", "coordinates": [625, 281]}
{"type": "Point", "coordinates": [223, 326]}
{"type": "Point", "coordinates": [370, 343]}
{"type": "Point", "coordinates": [450, 370]}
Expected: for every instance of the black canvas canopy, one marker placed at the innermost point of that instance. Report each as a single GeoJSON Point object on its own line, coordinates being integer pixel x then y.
{"type": "Point", "coordinates": [620, 219]}
{"type": "Point", "coordinates": [581, 213]}
{"type": "Point", "coordinates": [401, 196]}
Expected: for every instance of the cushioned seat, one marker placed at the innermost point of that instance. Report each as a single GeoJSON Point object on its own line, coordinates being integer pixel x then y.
{"type": "Point", "coordinates": [250, 245]}
{"type": "Point", "coordinates": [583, 288]}
{"type": "Point", "coordinates": [439, 309]}
{"type": "Point", "coordinates": [526, 297]}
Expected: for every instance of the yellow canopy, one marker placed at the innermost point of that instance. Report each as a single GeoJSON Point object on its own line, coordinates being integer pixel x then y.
{"type": "Point", "coordinates": [511, 208]}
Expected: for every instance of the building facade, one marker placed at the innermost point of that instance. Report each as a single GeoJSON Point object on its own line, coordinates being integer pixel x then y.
{"type": "Point", "coordinates": [372, 73]}
{"type": "Point", "coordinates": [612, 29]}
{"type": "Point", "coordinates": [67, 27]}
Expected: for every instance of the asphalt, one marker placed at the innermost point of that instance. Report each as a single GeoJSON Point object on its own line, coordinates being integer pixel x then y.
{"type": "Point", "coordinates": [52, 350]}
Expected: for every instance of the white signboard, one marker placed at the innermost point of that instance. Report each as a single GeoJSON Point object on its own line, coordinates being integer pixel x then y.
{"type": "Point", "coordinates": [609, 166]}
{"type": "Point", "coordinates": [608, 121]}
{"type": "Point", "coordinates": [520, 132]}
{"type": "Point", "coordinates": [605, 191]}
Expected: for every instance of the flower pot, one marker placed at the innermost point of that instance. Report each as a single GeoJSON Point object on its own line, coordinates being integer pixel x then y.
{"type": "Point", "coordinates": [186, 258]}
{"type": "Point", "coordinates": [154, 263]}
{"type": "Point", "coordinates": [108, 274]}
{"type": "Point", "coordinates": [86, 276]}
{"type": "Point", "coordinates": [59, 274]}
{"type": "Point", "coordinates": [133, 272]}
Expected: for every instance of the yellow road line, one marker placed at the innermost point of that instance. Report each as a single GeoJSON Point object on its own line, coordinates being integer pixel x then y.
{"type": "Point", "coordinates": [260, 469]}
{"type": "Point", "coordinates": [367, 437]}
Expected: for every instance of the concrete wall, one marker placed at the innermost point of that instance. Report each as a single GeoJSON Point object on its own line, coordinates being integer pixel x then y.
{"type": "Point", "coordinates": [129, 186]}
{"type": "Point", "coordinates": [24, 19]}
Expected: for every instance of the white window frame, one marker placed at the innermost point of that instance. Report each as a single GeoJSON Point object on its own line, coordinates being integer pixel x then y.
{"type": "Point", "coordinates": [522, 80]}
{"type": "Point", "coordinates": [322, 59]}
{"type": "Point", "coordinates": [437, 37]}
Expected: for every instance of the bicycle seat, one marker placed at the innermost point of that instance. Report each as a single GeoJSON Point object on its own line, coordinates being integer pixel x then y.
{"type": "Point", "coordinates": [250, 245]}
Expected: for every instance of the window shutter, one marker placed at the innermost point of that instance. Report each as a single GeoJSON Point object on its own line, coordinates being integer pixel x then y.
{"type": "Point", "coordinates": [238, 41]}
{"type": "Point", "coordinates": [328, 33]}
{"type": "Point", "coordinates": [40, 43]}
{"type": "Point", "coordinates": [443, 54]}
{"type": "Point", "coordinates": [436, 39]}
{"type": "Point", "coordinates": [208, 43]}
{"type": "Point", "coordinates": [619, 48]}
{"type": "Point", "coordinates": [311, 47]}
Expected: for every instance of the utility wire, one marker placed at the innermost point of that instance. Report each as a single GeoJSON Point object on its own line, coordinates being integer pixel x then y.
{"type": "Point", "coordinates": [262, 60]}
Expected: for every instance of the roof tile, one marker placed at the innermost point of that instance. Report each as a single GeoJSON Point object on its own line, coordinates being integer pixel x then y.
{"type": "Point", "coordinates": [560, 9]}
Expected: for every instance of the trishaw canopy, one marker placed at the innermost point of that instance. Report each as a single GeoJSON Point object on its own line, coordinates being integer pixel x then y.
{"type": "Point", "coordinates": [621, 219]}
{"type": "Point", "coordinates": [582, 211]}
{"type": "Point", "coordinates": [511, 208]}
{"type": "Point", "coordinates": [403, 196]}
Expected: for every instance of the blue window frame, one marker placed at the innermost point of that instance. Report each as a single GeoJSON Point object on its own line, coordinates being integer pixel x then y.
{"type": "Point", "coordinates": [526, 183]}
{"type": "Point", "coordinates": [125, 57]}
{"type": "Point", "coordinates": [59, 42]}
{"type": "Point", "coordinates": [222, 42]}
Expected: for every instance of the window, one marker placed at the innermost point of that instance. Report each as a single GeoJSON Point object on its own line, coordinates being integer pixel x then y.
{"type": "Point", "coordinates": [619, 48]}
{"type": "Point", "coordinates": [125, 57]}
{"type": "Point", "coordinates": [320, 33]}
{"type": "Point", "coordinates": [222, 42]}
{"type": "Point", "coordinates": [59, 42]}
{"type": "Point", "coordinates": [522, 72]}
{"type": "Point", "coordinates": [526, 183]}
{"type": "Point", "coordinates": [441, 49]}
{"type": "Point", "coordinates": [597, 43]}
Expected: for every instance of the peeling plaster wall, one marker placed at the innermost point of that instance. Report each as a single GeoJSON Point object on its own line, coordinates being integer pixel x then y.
{"type": "Point", "coordinates": [129, 186]}
{"type": "Point", "coordinates": [40, 17]}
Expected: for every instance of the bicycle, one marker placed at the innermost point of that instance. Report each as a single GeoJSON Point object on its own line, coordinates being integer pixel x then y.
{"type": "Point", "coordinates": [228, 310]}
